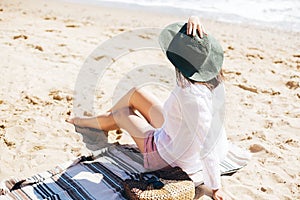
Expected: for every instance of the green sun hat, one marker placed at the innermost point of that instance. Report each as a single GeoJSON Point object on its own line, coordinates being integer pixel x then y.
{"type": "Point", "coordinates": [198, 59]}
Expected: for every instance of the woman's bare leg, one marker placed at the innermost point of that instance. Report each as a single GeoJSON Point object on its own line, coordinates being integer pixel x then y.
{"type": "Point", "coordinates": [136, 99]}
{"type": "Point", "coordinates": [122, 115]}
{"type": "Point", "coordinates": [136, 126]}
{"type": "Point", "coordinates": [103, 122]}
{"type": "Point", "coordinates": [148, 105]}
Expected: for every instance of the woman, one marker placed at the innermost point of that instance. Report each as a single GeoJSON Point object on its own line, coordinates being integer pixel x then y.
{"type": "Point", "coordinates": [187, 131]}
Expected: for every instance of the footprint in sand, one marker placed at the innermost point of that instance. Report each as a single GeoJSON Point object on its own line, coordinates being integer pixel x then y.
{"type": "Point", "coordinates": [271, 92]}
{"type": "Point", "coordinates": [25, 37]}
{"type": "Point", "coordinates": [253, 56]}
{"type": "Point", "coordinates": [49, 30]}
{"type": "Point", "coordinates": [232, 72]}
{"type": "Point", "coordinates": [58, 96]}
{"type": "Point", "coordinates": [49, 18]}
{"type": "Point", "coordinates": [72, 26]}
{"type": "Point", "coordinates": [251, 89]}
{"type": "Point", "coordinates": [39, 48]}
{"type": "Point", "coordinates": [69, 98]}
{"type": "Point", "coordinates": [35, 47]}
{"type": "Point", "coordinates": [263, 189]}
{"type": "Point", "coordinates": [254, 148]}
{"type": "Point", "coordinates": [147, 37]}
{"type": "Point", "coordinates": [254, 48]}
{"type": "Point", "coordinates": [230, 48]}
{"type": "Point", "coordinates": [32, 100]}
{"type": "Point", "coordinates": [296, 55]}
{"type": "Point", "coordinates": [277, 61]}
{"type": "Point", "coordinates": [9, 143]}
{"type": "Point", "coordinates": [292, 85]}
{"type": "Point", "coordinates": [52, 31]}
{"type": "Point", "coordinates": [99, 58]}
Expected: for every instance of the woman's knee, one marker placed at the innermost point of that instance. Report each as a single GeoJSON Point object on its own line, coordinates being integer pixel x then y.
{"type": "Point", "coordinates": [122, 113]}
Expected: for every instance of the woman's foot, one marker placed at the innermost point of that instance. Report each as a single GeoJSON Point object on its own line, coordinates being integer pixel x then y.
{"type": "Point", "coordinates": [76, 121]}
{"type": "Point", "coordinates": [103, 122]}
{"type": "Point", "coordinates": [90, 122]}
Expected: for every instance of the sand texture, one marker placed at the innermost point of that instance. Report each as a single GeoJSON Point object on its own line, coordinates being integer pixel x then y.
{"type": "Point", "coordinates": [44, 45]}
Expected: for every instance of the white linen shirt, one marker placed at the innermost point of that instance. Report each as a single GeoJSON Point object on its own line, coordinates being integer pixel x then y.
{"type": "Point", "coordinates": [192, 136]}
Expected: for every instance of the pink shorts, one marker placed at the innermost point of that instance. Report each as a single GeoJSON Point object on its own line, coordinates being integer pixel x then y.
{"type": "Point", "coordinates": [152, 159]}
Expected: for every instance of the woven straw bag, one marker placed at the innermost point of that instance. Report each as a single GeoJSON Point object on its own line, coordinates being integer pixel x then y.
{"type": "Point", "coordinates": [169, 184]}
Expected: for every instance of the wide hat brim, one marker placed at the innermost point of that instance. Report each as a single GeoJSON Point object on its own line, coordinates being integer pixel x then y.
{"type": "Point", "coordinates": [198, 59]}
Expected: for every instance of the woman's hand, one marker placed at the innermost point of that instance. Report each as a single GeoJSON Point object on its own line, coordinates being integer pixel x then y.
{"type": "Point", "coordinates": [219, 195]}
{"type": "Point", "coordinates": [194, 25]}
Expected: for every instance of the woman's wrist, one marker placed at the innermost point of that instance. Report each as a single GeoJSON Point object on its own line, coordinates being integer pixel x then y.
{"type": "Point", "coordinates": [218, 194]}
{"type": "Point", "coordinates": [214, 190]}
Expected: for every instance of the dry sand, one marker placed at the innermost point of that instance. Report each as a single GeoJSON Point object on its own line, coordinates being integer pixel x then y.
{"type": "Point", "coordinates": [44, 45]}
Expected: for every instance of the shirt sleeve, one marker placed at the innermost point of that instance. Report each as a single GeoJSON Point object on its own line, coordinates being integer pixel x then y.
{"type": "Point", "coordinates": [198, 116]}
{"type": "Point", "coordinates": [211, 171]}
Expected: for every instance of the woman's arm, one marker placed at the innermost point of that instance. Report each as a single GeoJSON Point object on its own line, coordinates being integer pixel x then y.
{"type": "Point", "coordinates": [211, 168]}
{"type": "Point", "coordinates": [210, 162]}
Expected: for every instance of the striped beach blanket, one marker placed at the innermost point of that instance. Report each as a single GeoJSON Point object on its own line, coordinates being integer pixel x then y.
{"type": "Point", "coordinates": [88, 177]}
{"type": "Point", "coordinates": [98, 176]}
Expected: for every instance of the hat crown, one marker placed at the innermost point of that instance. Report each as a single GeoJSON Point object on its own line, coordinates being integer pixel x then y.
{"type": "Point", "coordinates": [199, 59]}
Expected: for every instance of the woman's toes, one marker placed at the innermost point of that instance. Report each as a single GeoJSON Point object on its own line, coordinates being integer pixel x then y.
{"type": "Point", "coordinates": [71, 121]}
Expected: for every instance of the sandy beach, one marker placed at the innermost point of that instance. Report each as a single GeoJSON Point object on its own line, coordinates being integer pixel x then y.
{"type": "Point", "coordinates": [45, 44]}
